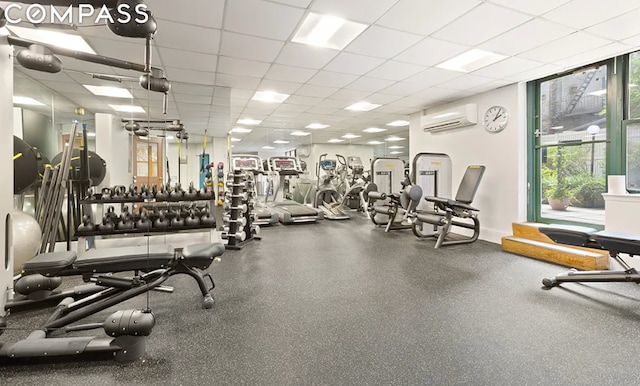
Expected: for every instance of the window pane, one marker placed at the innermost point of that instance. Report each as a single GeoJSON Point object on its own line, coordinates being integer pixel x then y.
{"type": "Point", "coordinates": [634, 85]}
{"type": "Point", "coordinates": [573, 179]}
{"type": "Point", "coordinates": [572, 107]}
{"type": "Point", "coordinates": [633, 156]}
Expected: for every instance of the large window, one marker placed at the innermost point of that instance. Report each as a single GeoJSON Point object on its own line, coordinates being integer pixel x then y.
{"type": "Point", "coordinates": [570, 147]}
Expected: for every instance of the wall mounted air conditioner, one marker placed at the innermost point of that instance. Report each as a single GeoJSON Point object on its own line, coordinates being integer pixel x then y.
{"type": "Point", "coordinates": [451, 118]}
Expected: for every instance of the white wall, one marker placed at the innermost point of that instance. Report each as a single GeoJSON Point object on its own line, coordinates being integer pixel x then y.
{"type": "Point", "coordinates": [190, 172]}
{"type": "Point", "coordinates": [17, 122]}
{"type": "Point", "coordinates": [501, 197]}
{"type": "Point", "coordinates": [113, 144]}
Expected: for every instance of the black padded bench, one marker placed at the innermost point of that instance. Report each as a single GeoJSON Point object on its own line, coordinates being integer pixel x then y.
{"type": "Point", "coordinates": [614, 242]}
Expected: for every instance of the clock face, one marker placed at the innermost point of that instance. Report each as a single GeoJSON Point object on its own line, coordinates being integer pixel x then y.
{"type": "Point", "coordinates": [495, 119]}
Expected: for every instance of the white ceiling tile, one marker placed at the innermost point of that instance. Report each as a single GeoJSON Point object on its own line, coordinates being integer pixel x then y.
{"type": "Point", "coordinates": [193, 89]}
{"type": "Point", "coordinates": [365, 83]}
{"type": "Point", "coordinates": [242, 67]}
{"type": "Point", "coordinates": [465, 82]}
{"type": "Point", "coordinates": [537, 7]}
{"type": "Point", "coordinates": [279, 86]}
{"type": "Point", "coordinates": [188, 59]}
{"type": "Point", "coordinates": [238, 93]}
{"type": "Point", "coordinates": [567, 46]}
{"type": "Point", "coordinates": [618, 28]}
{"type": "Point", "coordinates": [190, 76]}
{"type": "Point", "coordinates": [295, 3]}
{"type": "Point", "coordinates": [382, 99]}
{"type": "Point", "coordinates": [303, 100]}
{"type": "Point", "coordinates": [435, 93]}
{"type": "Point", "coordinates": [262, 18]}
{"type": "Point", "coordinates": [332, 79]}
{"type": "Point", "coordinates": [289, 73]}
{"type": "Point", "coordinates": [402, 89]}
{"type": "Point", "coordinates": [536, 73]}
{"type": "Point", "coordinates": [239, 81]}
{"type": "Point", "coordinates": [127, 50]}
{"type": "Point", "coordinates": [187, 98]}
{"type": "Point", "coordinates": [249, 47]}
{"type": "Point", "coordinates": [302, 55]}
{"type": "Point", "coordinates": [480, 24]}
{"type": "Point", "coordinates": [489, 86]}
{"type": "Point", "coordinates": [382, 42]}
{"type": "Point", "coordinates": [424, 17]}
{"type": "Point", "coordinates": [509, 66]}
{"type": "Point", "coordinates": [365, 11]}
{"type": "Point", "coordinates": [64, 87]}
{"type": "Point", "coordinates": [349, 63]}
{"type": "Point", "coordinates": [209, 12]}
{"type": "Point", "coordinates": [594, 55]}
{"type": "Point", "coordinates": [586, 13]}
{"type": "Point", "coordinates": [432, 76]}
{"type": "Point", "coordinates": [350, 95]}
{"type": "Point", "coordinates": [322, 110]}
{"type": "Point", "coordinates": [291, 108]}
{"type": "Point", "coordinates": [633, 41]}
{"type": "Point", "coordinates": [316, 91]}
{"type": "Point", "coordinates": [430, 52]}
{"type": "Point", "coordinates": [188, 37]}
{"type": "Point", "coordinates": [527, 36]}
{"type": "Point", "coordinates": [393, 70]}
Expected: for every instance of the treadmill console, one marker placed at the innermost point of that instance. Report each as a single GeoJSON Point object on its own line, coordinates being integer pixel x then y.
{"type": "Point", "coordinates": [243, 163]}
{"type": "Point", "coordinates": [285, 165]}
{"type": "Point", "coordinates": [355, 164]}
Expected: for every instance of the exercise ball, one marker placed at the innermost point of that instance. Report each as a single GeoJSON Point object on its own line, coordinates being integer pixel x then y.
{"type": "Point", "coordinates": [27, 236]}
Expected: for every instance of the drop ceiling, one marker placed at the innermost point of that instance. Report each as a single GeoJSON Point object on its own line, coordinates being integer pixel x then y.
{"type": "Point", "coordinates": [218, 53]}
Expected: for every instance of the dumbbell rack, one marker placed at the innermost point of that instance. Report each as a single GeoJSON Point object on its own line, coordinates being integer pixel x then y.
{"type": "Point", "coordinates": [240, 229]}
{"type": "Point", "coordinates": [87, 236]}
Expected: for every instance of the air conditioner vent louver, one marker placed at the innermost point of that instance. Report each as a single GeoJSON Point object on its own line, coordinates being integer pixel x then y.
{"type": "Point", "coordinates": [451, 118]}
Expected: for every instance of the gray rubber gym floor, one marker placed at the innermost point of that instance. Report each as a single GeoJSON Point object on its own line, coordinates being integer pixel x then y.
{"type": "Point", "coordinates": [343, 303]}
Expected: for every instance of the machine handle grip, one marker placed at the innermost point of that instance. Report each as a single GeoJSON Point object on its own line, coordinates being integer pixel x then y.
{"type": "Point", "coordinates": [377, 195]}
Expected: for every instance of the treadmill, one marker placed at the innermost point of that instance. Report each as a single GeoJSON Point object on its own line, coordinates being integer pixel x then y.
{"type": "Point", "coordinates": [289, 211]}
{"type": "Point", "coordinates": [253, 164]}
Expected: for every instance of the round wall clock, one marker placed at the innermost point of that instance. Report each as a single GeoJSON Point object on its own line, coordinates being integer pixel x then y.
{"type": "Point", "coordinates": [495, 119]}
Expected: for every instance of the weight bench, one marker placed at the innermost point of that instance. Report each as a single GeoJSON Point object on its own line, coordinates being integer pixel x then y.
{"type": "Point", "coordinates": [446, 210]}
{"type": "Point", "coordinates": [128, 329]}
{"type": "Point", "coordinates": [151, 265]}
{"type": "Point", "coordinates": [614, 242]}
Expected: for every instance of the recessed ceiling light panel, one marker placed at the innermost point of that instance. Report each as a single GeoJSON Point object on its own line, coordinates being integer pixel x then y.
{"type": "Point", "coordinates": [394, 139]}
{"type": "Point", "coordinates": [248, 121]}
{"type": "Point", "coordinates": [21, 100]}
{"type": "Point", "coordinates": [241, 130]}
{"type": "Point", "coordinates": [351, 136]}
{"type": "Point", "coordinates": [316, 126]}
{"type": "Point", "coordinates": [127, 108]}
{"type": "Point", "coordinates": [362, 106]}
{"type": "Point", "coordinates": [280, 142]}
{"type": "Point", "coordinates": [327, 31]}
{"type": "Point", "coordinates": [398, 123]}
{"type": "Point", "coordinates": [300, 133]}
{"type": "Point", "coordinates": [471, 60]}
{"type": "Point", "coordinates": [375, 143]}
{"type": "Point", "coordinates": [269, 97]}
{"type": "Point", "coordinates": [335, 140]}
{"type": "Point", "coordinates": [374, 130]}
{"type": "Point", "coordinates": [108, 91]}
{"type": "Point", "coordinates": [54, 38]}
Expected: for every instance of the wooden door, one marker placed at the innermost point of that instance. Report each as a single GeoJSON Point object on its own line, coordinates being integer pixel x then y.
{"type": "Point", "coordinates": [148, 156]}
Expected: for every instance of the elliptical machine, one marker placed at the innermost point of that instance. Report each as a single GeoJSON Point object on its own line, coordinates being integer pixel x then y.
{"type": "Point", "coordinates": [327, 197]}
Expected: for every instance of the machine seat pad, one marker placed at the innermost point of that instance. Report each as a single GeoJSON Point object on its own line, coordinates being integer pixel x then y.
{"type": "Point", "coordinates": [619, 242]}
{"type": "Point", "coordinates": [569, 234]}
{"type": "Point", "coordinates": [49, 264]}
{"type": "Point", "coordinates": [462, 205]}
{"type": "Point", "coordinates": [431, 218]}
{"type": "Point", "coordinates": [120, 259]}
{"type": "Point", "coordinates": [201, 255]}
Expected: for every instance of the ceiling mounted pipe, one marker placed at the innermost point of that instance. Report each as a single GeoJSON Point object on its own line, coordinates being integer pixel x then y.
{"type": "Point", "coordinates": [141, 132]}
